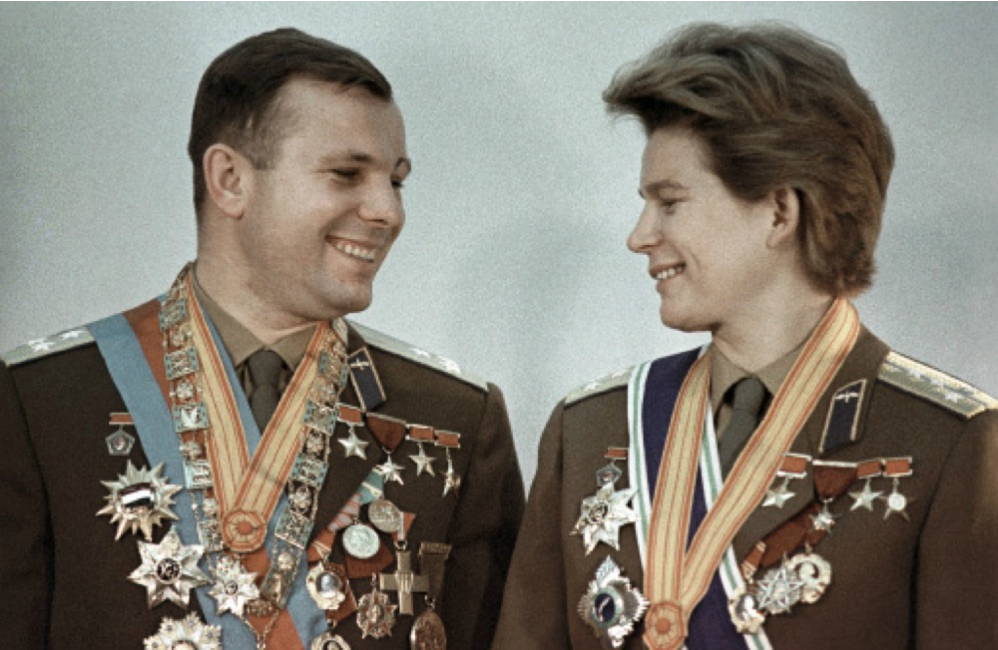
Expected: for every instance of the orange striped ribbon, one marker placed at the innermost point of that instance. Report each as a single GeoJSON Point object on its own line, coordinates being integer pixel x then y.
{"type": "Point", "coordinates": [677, 578]}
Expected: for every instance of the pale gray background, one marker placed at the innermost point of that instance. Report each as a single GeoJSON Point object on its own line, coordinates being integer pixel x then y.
{"type": "Point", "coordinates": [513, 259]}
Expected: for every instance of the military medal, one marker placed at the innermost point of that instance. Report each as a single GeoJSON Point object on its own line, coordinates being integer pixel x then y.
{"type": "Point", "coordinates": [352, 417]}
{"type": "Point", "coordinates": [375, 614]}
{"type": "Point", "coordinates": [169, 570]}
{"type": "Point", "coordinates": [779, 590]}
{"type": "Point", "coordinates": [606, 511]}
{"type": "Point", "coordinates": [234, 587]}
{"type": "Point", "coordinates": [139, 499]}
{"type": "Point", "coordinates": [794, 466]}
{"type": "Point", "coordinates": [385, 516]}
{"type": "Point", "coordinates": [188, 633]}
{"type": "Point", "coordinates": [360, 541]}
{"type": "Point", "coordinates": [404, 581]}
{"type": "Point", "coordinates": [867, 471]}
{"type": "Point", "coordinates": [120, 442]}
{"type": "Point", "coordinates": [419, 434]}
{"type": "Point", "coordinates": [611, 606]}
{"type": "Point", "coordinates": [328, 585]}
{"type": "Point", "coordinates": [814, 573]}
{"type": "Point", "coordinates": [329, 641]}
{"type": "Point", "coordinates": [428, 632]}
{"type": "Point", "coordinates": [449, 441]}
{"type": "Point", "coordinates": [896, 469]}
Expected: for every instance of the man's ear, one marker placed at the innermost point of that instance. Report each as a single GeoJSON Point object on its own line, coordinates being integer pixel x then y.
{"type": "Point", "coordinates": [227, 179]}
{"type": "Point", "coordinates": [785, 218]}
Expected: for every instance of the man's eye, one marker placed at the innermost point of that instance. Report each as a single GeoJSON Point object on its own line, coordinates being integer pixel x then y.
{"type": "Point", "coordinates": [398, 183]}
{"type": "Point", "coordinates": [349, 174]}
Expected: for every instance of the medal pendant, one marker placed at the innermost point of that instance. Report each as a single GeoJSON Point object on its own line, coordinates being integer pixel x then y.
{"type": "Point", "coordinates": [188, 633]}
{"type": "Point", "coordinates": [896, 503]}
{"type": "Point", "coordinates": [328, 585]}
{"type": "Point", "coordinates": [361, 541]}
{"type": "Point", "coordinates": [375, 615]}
{"type": "Point", "coordinates": [169, 571]}
{"type": "Point", "coordinates": [602, 516]}
{"type": "Point", "coordinates": [611, 606]}
{"type": "Point", "coordinates": [385, 516]}
{"type": "Point", "coordinates": [139, 500]}
{"type": "Point", "coordinates": [428, 632]}
{"type": "Point", "coordinates": [744, 610]}
{"type": "Point", "coordinates": [329, 641]}
{"type": "Point", "coordinates": [777, 497]}
{"type": "Point", "coordinates": [234, 587]}
{"type": "Point", "coordinates": [814, 573]}
{"type": "Point", "coordinates": [779, 590]}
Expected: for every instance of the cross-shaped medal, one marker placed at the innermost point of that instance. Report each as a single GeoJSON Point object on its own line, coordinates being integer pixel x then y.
{"type": "Point", "coordinates": [404, 581]}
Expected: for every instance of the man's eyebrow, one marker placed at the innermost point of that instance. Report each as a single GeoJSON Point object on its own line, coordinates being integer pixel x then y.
{"type": "Point", "coordinates": [657, 186]}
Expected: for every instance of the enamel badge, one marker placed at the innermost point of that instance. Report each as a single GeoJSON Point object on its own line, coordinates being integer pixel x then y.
{"type": "Point", "coordinates": [139, 500]}
{"type": "Point", "coordinates": [611, 606]}
{"type": "Point", "coordinates": [169, 570]}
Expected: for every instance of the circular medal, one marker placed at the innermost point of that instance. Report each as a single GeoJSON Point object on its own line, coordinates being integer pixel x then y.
{"type": "Point", "coordinates": [814, 572]}
{"type": "Point", "coordinates": [327, 586]}
{"type": "Point", "coordinates": [361, 541]}
{"type": "Point", "coordinates": [745, 614]}
{"type": "Point", "coordinates": [385, 516]}
{"type": "Point", "coordinates": [428, 632]}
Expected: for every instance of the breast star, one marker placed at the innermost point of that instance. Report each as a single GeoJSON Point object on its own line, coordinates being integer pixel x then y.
{"type": "Point", "coordinates": [169, 570]}
{"type": "Point", "coordinates": [865, 498]}
{"type": "Point", "coordinates": [602, 516]}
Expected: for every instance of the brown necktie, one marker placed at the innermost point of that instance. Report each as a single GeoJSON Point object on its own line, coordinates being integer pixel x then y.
{"type": "Point", "coordinates": [265, 368]}
{"type": "Point", "coordinates": [746, 411]}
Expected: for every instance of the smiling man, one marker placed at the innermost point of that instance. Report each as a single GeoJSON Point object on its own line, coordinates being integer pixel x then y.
{"type": "Point", "coordinates": [795, 483]}
{"type": "Point", "coordinates": [234, 463]}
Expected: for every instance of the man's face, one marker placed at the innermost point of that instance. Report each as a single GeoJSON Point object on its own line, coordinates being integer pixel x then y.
{"type": "Point", "coordinates": [319, 221]}
{"type": "Point", "coordinates": [706, 249]}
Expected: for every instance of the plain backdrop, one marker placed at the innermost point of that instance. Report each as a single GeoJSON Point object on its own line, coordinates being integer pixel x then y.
{"type": "Point", "coordinates": [513, 260]}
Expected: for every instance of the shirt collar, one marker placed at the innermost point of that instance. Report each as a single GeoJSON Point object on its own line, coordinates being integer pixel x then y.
{"type": "Point", "coordinates": [724, 374]}
{"type": "Point", "coordinates": [240, 343]}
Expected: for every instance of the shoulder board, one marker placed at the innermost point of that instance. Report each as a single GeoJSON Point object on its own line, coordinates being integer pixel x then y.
{"type": "Point", "coordinates": [40, 348]}
{"type": "Point", "coordinates": [382, 341]}
{"type": "Point", "coordinates": [601, 385]}
{"type": "Point", "coordinates": [935, 386]}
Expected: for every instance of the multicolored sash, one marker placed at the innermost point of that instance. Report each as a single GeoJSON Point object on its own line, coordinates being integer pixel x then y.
{"type": "Point", "coordinates": [684, 551]}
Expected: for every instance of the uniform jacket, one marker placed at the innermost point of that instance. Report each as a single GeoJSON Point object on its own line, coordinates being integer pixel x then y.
{"type": "Point", "coordinates": [930, 582]}
{"type": "Point", "coordinates": [64, 577]}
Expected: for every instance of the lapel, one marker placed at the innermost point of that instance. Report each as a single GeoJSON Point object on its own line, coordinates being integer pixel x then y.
{"type": "Point", "coordinates": [862, 364]}
{"type": "Point", "coordinates": [345, 474]}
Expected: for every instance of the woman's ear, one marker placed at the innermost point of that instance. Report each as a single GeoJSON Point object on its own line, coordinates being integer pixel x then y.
{"type": "Point", "coordinates": [785, 218]}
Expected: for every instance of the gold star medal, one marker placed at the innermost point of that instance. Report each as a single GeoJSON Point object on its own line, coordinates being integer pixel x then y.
{"type": "Point", "coordinates": [169, 570]}
{"type": "Point", "coordinates": [139, 500]}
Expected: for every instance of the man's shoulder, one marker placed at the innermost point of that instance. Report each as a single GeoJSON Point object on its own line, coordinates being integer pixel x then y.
{"type": "Point", "coordinates": [608, 383]}
{"type": "Point", "coordinates": [417, 356]}
{"type": "Point", "coordinates": [41, 348]}
{"type": "Point", "coordinates": [934, 386]}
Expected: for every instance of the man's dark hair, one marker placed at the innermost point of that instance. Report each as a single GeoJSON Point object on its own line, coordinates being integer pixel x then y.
{"type": "Point", "coordinates": [236, 102]}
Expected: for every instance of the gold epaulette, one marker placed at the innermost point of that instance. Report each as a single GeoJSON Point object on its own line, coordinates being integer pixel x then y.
{"type": "Point", "coordinates": [600, 386]}
{"type": "Point", "coordinates": [40, 348]}
{"type": "Point", "coordinates": [382, 341]}
{"type": "Point", "coordinates": [926, 382]}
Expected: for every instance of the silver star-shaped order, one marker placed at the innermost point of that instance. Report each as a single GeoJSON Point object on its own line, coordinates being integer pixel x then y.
{"type": "Point", "coordinates": [169, 570]}
{"type": "Point", "coordinates": [189, 633]}
{"type": "Point", "coordinates": [233, 587]}
{"type": "Point", "coordinates": [779, 590]}
{"type": "Point", "coordinates": [423, 462]}
{"type": "Point", "coordinates": [391, 470]}
{"type": "Point", "coordinates": [823, 520]}
{"type": "Point", "coordinates": [865, 498]}
{"type": "Point", "coordinates": [375, 615]}
{"type": "Point", "coordinates": [139, 499]}
{"type": "Point", "coordinates": [354, 446]}
{"type": "Point", "coordinates": [896, 503]}
{"type": "Point", "coordinates": [778, 496]}
{"type": "Point", "coordinates": [602, 516]}
{"type": "Point", "coordinates": [611, 606]}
